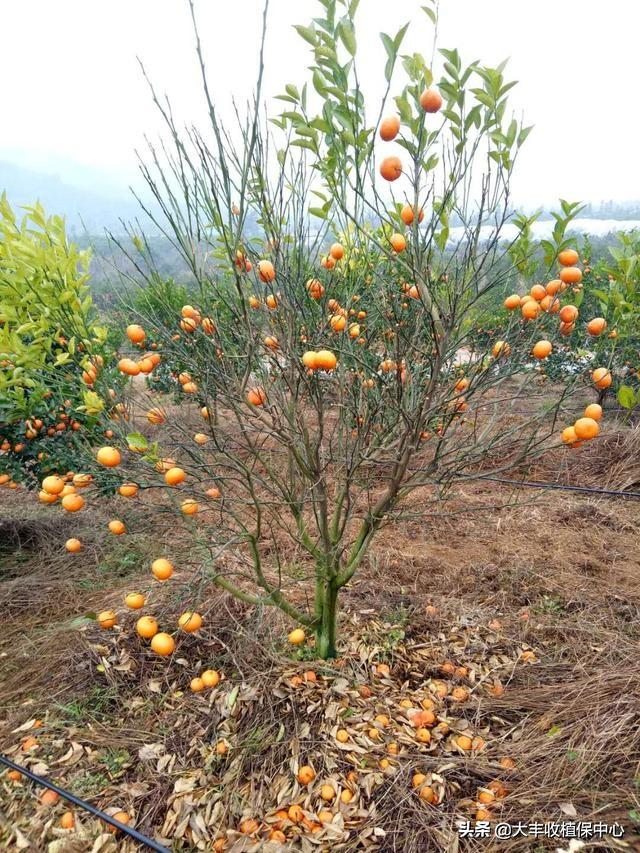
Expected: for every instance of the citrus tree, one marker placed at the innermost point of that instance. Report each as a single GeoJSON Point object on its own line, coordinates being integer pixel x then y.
{"type": "Point", "coordinates": [51, 345]}
{"type": "Point", "coordinates": [334, 359]}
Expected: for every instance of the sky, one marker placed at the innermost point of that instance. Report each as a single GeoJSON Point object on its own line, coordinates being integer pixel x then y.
{"type": "Point", "coordinates": [75, 102]}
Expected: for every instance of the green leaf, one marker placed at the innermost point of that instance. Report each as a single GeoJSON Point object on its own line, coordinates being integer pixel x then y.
{"type": "Point", "coordinates": [626, 397]}
{"type": "Point", "coordinates": [318, 211]}
{"type": "Point", "coordinates": [347, 35]}
{"type": "Point", "coordinates": [430, 13]}
{"type": "Point", "coordinates": [307, 33]}
{"type": "Point", "coordinates": [292, 91]}
{"type": "Point", "coordinates": [137, 441]}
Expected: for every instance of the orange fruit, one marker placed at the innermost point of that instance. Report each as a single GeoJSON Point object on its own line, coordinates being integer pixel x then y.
{"type": "Point", "coordinates": [266, 271]}
{"type": "Point", "coordinates": [128, 490]}
{"type": "Point", "coordinates": [594, 411]}
{"type": "Point", "coordinates": [49, 797]}
{"type": "Point", "coordinates": [586, 428]}
{"type": "Point", "coordinates": [213, 492]}
{"type": "Point", "coordinates": [512, 302]}
{"type": "Point", "coordinates": [46, 498]}
{"type": "Point", "coordinates": [315, 288]}
{"type": "Point", "coordinates": [146, 627]}
{"type": "Point", "coordinates": [398, 243]}
{"type": "Point", "coordinates": [423, 735]}
{"type": "Point", "coordinates": [325, 360]}
{"type": "Point", "coordinates": [530, 309]}
{"type": "Point", "coordinates": [210, 677]}
{"type": "Point", "coordinates": [108, 456]}
{"type": "Point", "coordinates": [190, 622]}
{"type": "Point", "coordinates": [569, 314]}
{"type": "Point", "coordinates": [542, 349]}
{"type": "Point", "coordinates": [249, 826]}
{"type": "Point", "coordinates": [189, 506]}
{"type": "Point", "coordinates": [464, 742]}
{"type": "Point", "coordinates": [342, 735]}
{"type": "Point", "coordinates": [135, 333]}
{"type": "Point", "coordinates": [29, 743]}
{"type": "Point", "coordinates": [431, 100]}
{"type": "Point", "coordinates": [51, 485]}
{"type": "Point", "coordinates": [569, 435]}
{"type": "Point", "coordinates": [553, 287]}
{"type": "Point", "coordinates": [72, 502]}
{"type": "Point", "coordinates": [174, 476]}
{"type": "Point", "coordinates": [538, 292]}
{"type": "Point", "coordinates": [121, 817]}
{"type": "Point", "coordinates": [73, 545]}
{"type": "Point", "coordinates": [197, 685]}
{"type": "Point", "coordinates": [67, 821]}
{"type": "Point", "coordinates": [297, 636]}
{"type": "Point", "coordinates": [277, 836]}
{"type": "Point", "coordinates": [134, 600]}
{"type": "Point", "coordinates": [346, 796]}
{"type": "Point", "coordinates": [256, 396]}
{"type": "Point", "coordinates": [501, 348]}
{"type": "Point", "coordinates": [337, 322]}
{"type": "Point", "coordinates": [309, 359]}
{"type": "Point", "coordinates": [107, 619]}
{"type": "Point", "coordinates": [570, 275]}
{"type": "Point", "coordinates": [391, 168]}
{"type": "Point", "coordinates": [155, 416]}
{"type": "Point", "coordinates": [306, 775]}
{"type": "Point", "coordinates": [161, 569]}
{"type": "Point", "coordinates": [327, 793]}
{"type": "Point", "coordinates": [389, 128]}
{"type": "Point", "coordinates": [117, 527]}
{"type": "Point", "coordinates": [568, 257]}
{"type": "Point", "coordinates": [128, 366]}
{"type": "Point", "coordinates": [596, 326]}
{"type": "Point", "coordinates": [200, 437]}
{"type": "Point", "coordinates": [337, 251]}
{"type": "Point", "coordinates": [601, 377]}
{"type": "Point", "coordinates": [163, 644]}
{"type": "Point", "coordinates": [407, 214]}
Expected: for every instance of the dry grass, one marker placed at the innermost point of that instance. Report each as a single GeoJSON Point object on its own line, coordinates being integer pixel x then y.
{"type": "Point", "coordinates": [561, 573]}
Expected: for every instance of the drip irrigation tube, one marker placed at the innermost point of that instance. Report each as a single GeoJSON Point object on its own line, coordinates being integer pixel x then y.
{"type": "Point", "coordinates": [563, 487]}
{"type": "Point", "coordinates": [39, 780]}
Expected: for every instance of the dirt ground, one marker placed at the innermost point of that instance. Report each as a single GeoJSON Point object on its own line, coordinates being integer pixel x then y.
{"type": "Point", "coordinates": [513, 618]}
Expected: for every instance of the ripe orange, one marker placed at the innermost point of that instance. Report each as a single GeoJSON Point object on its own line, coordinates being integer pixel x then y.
{"type": "Point", "coordinates": [107, 619]}
{"type": "Point", "coordinates": [342, 735]}
{"type": "Point", "coordinates": [569, 314]}
{"type": "Point", "coordinates": [174, 476]}
{"type": "Point", "coordinates": [108, 456]}
{"type": "Point", "coordinates": [72, 502]}
{"type": "Point", "coordinates": [423, 735]}
{"type": "Point", "coordinates": [538, 292]}
{"type": "Point", "coordinates": [315, 288]}
{"type": "Point", "coordinates": [596, 326]}
{"type": "Point", "coordinates": [266, 271]}
{"type": "Point", "coordinates": [570, 275]}
{"type": "Point", "coordinates": [554, 287]}
{"type": "Point", "coordinates": [29, 743]}
{"type": "Point", "coordinates": [256, 396]}
{"type": "Point", "coordinates": [200, 438]}
{"type": "Point", "coordinates": [337, 251]}
{"type": "Point", "coordinates": [46, 498]}
{"type": "Point", "coordinates": [568, 258]}
{"type": "Point", "coordinates": [189, 506]}
{"type": "Point", "coordinates": [325, 360]}
{"type": "Point", "coordinates": [391, 168]}
{"type": "Point", "coordinates": [389, 128]}
{"type": "Point", "coordinates": [512, 302]}
{"type": "Point", "coordinates": [325, 816]}
{"type": "Point", "coordinates": [128, 490]}
{"type": "Point", "coordinates": [49, 797]}
{"type": "Point", "coordinates": [431, 100]}
{"type": "Point", "coordinates": [407, 214]}
{"type": "Point", "coordinates": [136, 334]}
{"type": "Point", "coordinates": [210, 677]}
{"type": "Point", "coordinates": [80, 481]}
{"type": "Point", "coordinates": [117, 527]}
{"type": "Point", "coordinates": [464, 742]}
{"type": "Point", "coordinates": [122, 817]}
{"type": "Point", "coordinates": [163, 644]}
{"type": "Point", "coordinates": [161, 569]}
{"type": "Point", "coordinates": [52, 485]}
{"type": "Point", "coordinates": [601, 377]}
{"type": "Point", "coordinates": [594, 411]}
{"type": "Point", "coordinates": [134, 600]}
{"type": "Point", "coordinates": [398, 243]}
{"type": "Point", "coordinates": [67, 821]}
{"type": "Point", "coordinates": [542, 349]}
{"type": "Point", "coordinates": [146, 627]}
{"type": "Point", "coordinates": [190, 622]}
{"type": "Point", "coordinates": [73, 545]}
{"type": "Point", "coordinates": [530, 309]}
{"type": "Point", "coordinates": [309, 359]}
{"type": "Point", "coordinates": [569, 435]}
{"type": "Point", "coordinates": [327, 793]}
{"type": "Point", "coordinates": [586, 428]}
{"type": "Point", "coordinates": [296, 637]}
{"type": "Point", "coordinates": [196, 685]}
{"type": "Point", "coordinates": [306, 775]}
{"type": "Point", "coordinates": [213, 492]}
{"type": "Point", "coordinates": [249, 826]}
{"type": "Point", "coordinates": [346, 796]}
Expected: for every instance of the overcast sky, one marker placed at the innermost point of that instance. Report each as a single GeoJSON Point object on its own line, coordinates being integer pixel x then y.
{"type": "Point", "coordinates": [72, 89]}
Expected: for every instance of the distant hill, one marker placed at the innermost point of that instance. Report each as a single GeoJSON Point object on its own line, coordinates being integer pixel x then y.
{"type": "Point", "coordinates": [93, 210]}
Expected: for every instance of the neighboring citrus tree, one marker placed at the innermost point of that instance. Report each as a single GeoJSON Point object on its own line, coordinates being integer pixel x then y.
{"type": "Point", "coordinates": [341, 382]}
{"type": "Point", "coordinates": [49, 339]}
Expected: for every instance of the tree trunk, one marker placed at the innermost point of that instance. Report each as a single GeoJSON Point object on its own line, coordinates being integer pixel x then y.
{"type": "Point", "coordinates": [326, 630]}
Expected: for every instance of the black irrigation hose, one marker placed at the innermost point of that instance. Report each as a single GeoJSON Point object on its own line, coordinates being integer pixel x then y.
{"type": "Point", "coordinates": [588, 489]}
{"type": "Point", "coordinates": [39, 780]}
